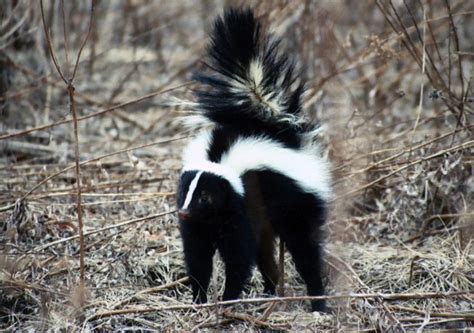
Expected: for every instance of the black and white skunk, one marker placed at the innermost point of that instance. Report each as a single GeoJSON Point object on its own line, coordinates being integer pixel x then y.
{"type": "Point", "coordinates": [257, 173]}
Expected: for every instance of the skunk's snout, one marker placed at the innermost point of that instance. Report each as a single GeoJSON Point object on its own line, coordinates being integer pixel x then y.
{"type": "Point", "coordinates": [183, 214]}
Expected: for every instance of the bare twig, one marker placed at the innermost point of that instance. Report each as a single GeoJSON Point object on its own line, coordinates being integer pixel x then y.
{"type": "Point", "coordinates": [420, 104]}
{"type": "Point", "coordinates": [91, 17]}
{"type": "Point", "coordinates": [427, 222]}
{"type": "Point", "coordinates": [65, 34]}
{"type": "Point", "coordinates": [95, 114]}
{"type": "Point", "coordinates": [113, 226]}
{"type": "Point", "coordinates": [456, 45]}
{"type": "Point", "coordinates": [250, 319]}
{"type": "Point", "coordinates": [150, 291]}
{"type": "Point", "coordinates": [462, 315]}
{"type": "Point", "coordinates": [461, 146]}
{"type": "Point", "coordinates": [387, 297]}
{"type": "Point", "coordinates": [96, 159]}
{"type": "Point", "coordinates": [72, 104]}
{"type": "Point", "coordinates": [50, 46]}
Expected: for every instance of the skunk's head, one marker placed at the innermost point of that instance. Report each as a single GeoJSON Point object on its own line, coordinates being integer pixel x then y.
{"type": "Point", "coordinates": [204, 196]}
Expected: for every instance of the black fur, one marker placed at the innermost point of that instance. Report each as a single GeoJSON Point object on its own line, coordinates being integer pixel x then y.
{"type": "Point", "coordinates": [236, 41]}
{"type": "Point", "coordinates": [224, 136]}
{"type": "Point", "coordinates": [242, 228]}
{"type": "Point", "coordinates": [217, 223]}
{"type": "Point", "coordinates": [296, 217]}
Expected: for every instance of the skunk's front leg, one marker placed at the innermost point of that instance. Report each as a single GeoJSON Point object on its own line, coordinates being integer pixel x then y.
{"type": "Point", "coordinates": [199, 248]}
{"type": "Point", "coordinates": [237, 246]}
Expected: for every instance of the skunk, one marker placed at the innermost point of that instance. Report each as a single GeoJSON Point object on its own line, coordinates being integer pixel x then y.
{"type": "Point", "coordinates": [257, 173]}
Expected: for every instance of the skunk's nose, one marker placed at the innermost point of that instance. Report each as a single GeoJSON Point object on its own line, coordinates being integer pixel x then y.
{"type": "Point", "coordinates": [183, 214]}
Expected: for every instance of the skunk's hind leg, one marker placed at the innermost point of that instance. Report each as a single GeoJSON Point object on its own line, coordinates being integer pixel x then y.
{"type": "Point", "coordinates": [306, 253]}
{"type": "Point", "coordinates": [266, 259]}
{"type": "Point", "coordinates": [264, 232]}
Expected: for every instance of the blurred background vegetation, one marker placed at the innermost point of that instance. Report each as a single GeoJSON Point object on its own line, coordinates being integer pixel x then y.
{"type": "Point", "coordinates": [391, 83]}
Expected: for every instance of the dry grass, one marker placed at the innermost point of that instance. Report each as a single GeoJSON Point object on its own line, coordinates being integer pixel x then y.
{"type": "Point", "coordinates": [390, 81]}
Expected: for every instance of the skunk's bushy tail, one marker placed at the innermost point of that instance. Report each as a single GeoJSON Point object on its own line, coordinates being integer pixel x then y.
{"type": "Point", "coordinates": [249, 80]}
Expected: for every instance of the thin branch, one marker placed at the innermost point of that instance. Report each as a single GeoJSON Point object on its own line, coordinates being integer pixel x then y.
{"type": "Point", "coordinates": [456, 45]}
{"type": "Point", "coordinates": [405, 151]}
{"type": "Point", "coordinates": [95, 114]}
{"type": "Point", "coordinates": [65, 34]}
{"type": "Point", "coordinates": [109, 227]}
{"type": "Point", "coordinates": [84, 42]}
{"type": "Point", "coordinates": [77, 168]}
{"type": "Point", "coordinates": [254, 321]}
{"type": "Point", "coordinates": [464, 145]}
{"type": "Point", "coordinates": [420, 104]}
{"type": "Point", "coordinates": [463, 315]}
{"type": "Point", "coordinates": [422, 39]}
{"type": "Point", "coordinates": [99, 158]}
{"type": "Point", "coordinates": [387, 297]}
{"type": "Point", "coordinates": [150, 291]}
{"type": "Point", "coordinates": [50, 46]}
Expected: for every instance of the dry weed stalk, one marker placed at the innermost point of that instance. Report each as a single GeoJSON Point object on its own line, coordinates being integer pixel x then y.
{"type": "Point", "coordinates": [387, 297]}
{"type": "Point", "coordinates": [72, 104]}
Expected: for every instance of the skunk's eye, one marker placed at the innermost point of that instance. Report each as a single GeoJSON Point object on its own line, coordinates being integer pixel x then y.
{"type": "Point", "coordinates": [205, 198]}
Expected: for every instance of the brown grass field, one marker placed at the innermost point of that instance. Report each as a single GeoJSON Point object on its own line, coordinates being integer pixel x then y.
{"type": "Point", "coordinates": [391, 83]}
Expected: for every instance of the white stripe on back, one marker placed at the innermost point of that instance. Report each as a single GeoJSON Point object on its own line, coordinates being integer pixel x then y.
{"type": "Point", "coordinates": [195, 158]}
{"type": "Point", "coordinates": [305, 165]}
{"type": "Point", "coordinates": [310, 172]}
{"type": "Point", "coordinates": [192, 188]}
{"type": "Point", "coordinates": [219, 170]}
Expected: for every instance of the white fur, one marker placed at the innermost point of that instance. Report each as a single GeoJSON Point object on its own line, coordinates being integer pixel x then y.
{"type": "Point", "coordinates": [192, 188]}
{"type": "Point", "coordinates": [307, 169]}
{"type": "Point", "coordinates": [271, 100]}
{"type": "Point", "coordinates": [254, 86]}
{"type": "Point", "coordinates": [238, 86]}
{"type": "Point", "coordinates": [195, 158]}
{"type": "Point", "coordinates": [219, 170]}
{"type": "Point", "coordinates": [256, 73]}
{"type": "Point", "coordinates": [194, 121]}
{"type": "Point", "coordinates": [196, 151]}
